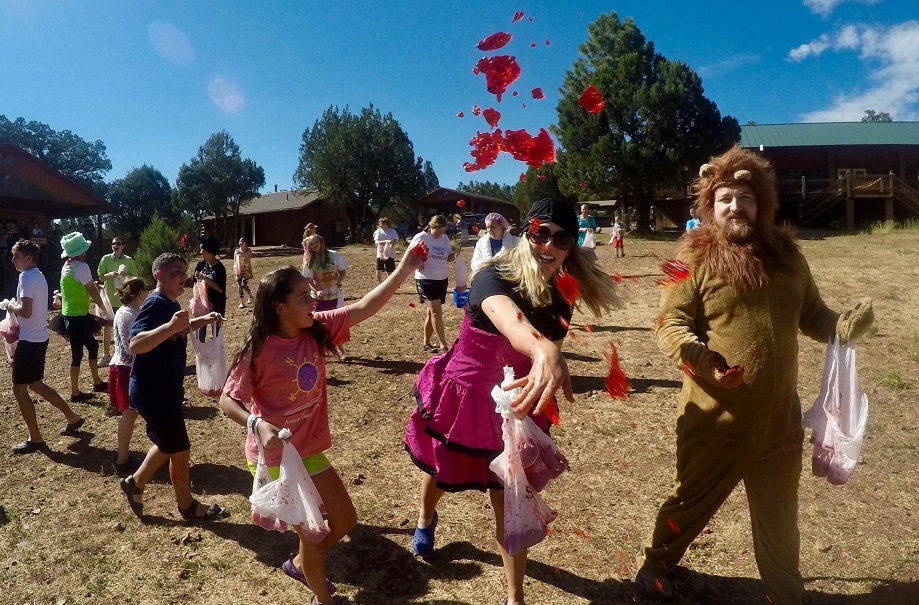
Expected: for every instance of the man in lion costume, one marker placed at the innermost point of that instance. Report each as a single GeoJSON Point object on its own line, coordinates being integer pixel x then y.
{"type": "Point", "coordinates": [733, 328]}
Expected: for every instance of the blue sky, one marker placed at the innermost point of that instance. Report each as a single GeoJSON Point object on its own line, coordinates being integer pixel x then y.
{"type": "Point", "coordinates": [153, 80]}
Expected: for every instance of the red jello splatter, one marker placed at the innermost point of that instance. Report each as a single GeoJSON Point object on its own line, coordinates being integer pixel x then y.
{"type": "Point", "coordinates": [494, 41]}
{"type": "Point", "coordinates": [411, 305]}
{"type": "Point", "coordinates": [617, 278]}
{"type": "Point", "coordinates": [568, 287]}
{"type": "Point", "coordinates": [673, 526]}
{"type": "Point", "coordinates": [591, 100]}
{"type": "Point", "coordinates": [460, 203]}
{"type": "Point", "coordinates": [538, 93]}
{"type": "Point", "coordinates": [492, 116]}
{"type": "Point", "coordinates": [500, 72]}
{"type": "Point", "coordinates": [583, 185]}
{"type": "Point", "coordinates": [519, 316]}
{"type": "Point", "coordinates": [541, 177]}
{"type": "Point", "coordinates": [552, 413]}
{"type": "Point", "coordinates": [532, 45]}
{"type": "Point", "coordinates": [523, 178]}
{"type": "Point", "coordinates": [535, 224]}
{"type": "Point", "coordinates": [515, 93]}
{"type": "Point", "coordinates": [421, 250]}
{"type": "Point", "coordinates": [460, 114]}
{"type": "Point", "coordinates": [587, 329]}
{"type": "Point", "coordinates": [573, 335]}
{"type": "Point", "coordinates": [535, 151]}
{"type": "Point", "coordinates": [617, 383]}
{"type": "Point", "coordinates": [676, 270]}
{"type": "Point", "coordinates": [687, 369]}
{"type": "Point", "coordinates": [517, 16]}
{"type": "Point", "coordinates": [485, 149]}
{"type": "Point", "coordinates": [547, 43]}
{"type": "Point", "coordinates": [564, 323]}
{"type": "Point", "coordinates": [580, 533]}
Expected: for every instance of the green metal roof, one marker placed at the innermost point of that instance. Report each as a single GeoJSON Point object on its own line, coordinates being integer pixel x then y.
{"type": "Point", "coordinates": [829, 134]}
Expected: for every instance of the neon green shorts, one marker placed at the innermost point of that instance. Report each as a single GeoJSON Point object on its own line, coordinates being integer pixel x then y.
{"type": "Point", "coordinates": [314, 465]}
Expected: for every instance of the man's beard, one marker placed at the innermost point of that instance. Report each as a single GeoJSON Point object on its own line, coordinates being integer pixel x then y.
{"type": "Point", "coordinates": [738, 233]}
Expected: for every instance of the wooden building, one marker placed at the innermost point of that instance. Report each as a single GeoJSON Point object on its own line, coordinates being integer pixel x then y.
{"type": "Point", "coordinates": [278, 219]}
{"type": "Point", "coordinates": [444, 201]}
{"type": "Point", "coordinates": [842, 174]}
{"type": "Point", "coordinates": [32, 194]}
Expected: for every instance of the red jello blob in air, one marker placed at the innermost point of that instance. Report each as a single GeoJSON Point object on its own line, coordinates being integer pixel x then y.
{"type": "Point", "coordinates": [492, 116]}
{"type": "Point", "coordinates": [494, 41]}
{"type": "Point", "coordinates": [485, 149]}
{"type": "Point", "coordinates": [476, 110]}
{"type": "Point", "coordinates": [517, 16]}
{"type": "Point", "coordinates": [500, 72]}
{"type": "Point", "coordinates": [617, 383]}
{"type": "Point", "coordinates": [421, 250]}
{"type": "Point", "coordinates": [538, 94]}
{"type": "Point", "coordinates": [591, 100]}
{"type": "Point", "coordinates": [676, 270]}
{"type": "Point", "coordinates": [460, 114]}
{"type": "Point", "coordinates": [535, 151]}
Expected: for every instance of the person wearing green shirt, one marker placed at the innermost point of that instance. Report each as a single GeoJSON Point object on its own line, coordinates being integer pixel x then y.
{"type": "Point", "coordinates": [113, 270]}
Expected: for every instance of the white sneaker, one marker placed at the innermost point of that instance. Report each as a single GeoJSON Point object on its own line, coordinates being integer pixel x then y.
{"type": "Point", "coordinates": [104, 361]}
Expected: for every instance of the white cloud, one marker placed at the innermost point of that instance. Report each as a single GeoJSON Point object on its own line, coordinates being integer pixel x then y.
{"type": "Point", "coordinates": [728, 65]}
{"type": "Point", "coordinates": [226, 95]}
{"type": "Point", "coordinates": [170, 43]}
{"type": "Point", "coordinates": [825, 7]}
{"type": "Point", "coordinates": [892, 56]}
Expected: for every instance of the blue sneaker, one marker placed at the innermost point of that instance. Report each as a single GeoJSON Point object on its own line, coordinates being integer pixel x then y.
{"type": "Point", "coordinates": [423, 540]}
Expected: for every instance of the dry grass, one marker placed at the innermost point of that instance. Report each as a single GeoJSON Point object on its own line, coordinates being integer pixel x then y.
{"type": "Point", "coordinates": [70, 537]}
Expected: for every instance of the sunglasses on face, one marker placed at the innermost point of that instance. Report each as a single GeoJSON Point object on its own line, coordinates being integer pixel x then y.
{"type": "Point", "coordinates": [560, 239]}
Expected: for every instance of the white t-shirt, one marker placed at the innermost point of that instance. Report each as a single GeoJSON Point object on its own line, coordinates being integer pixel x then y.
{"type": "Point", "coordinates": [386, 249]}
{"type": "Point", "coordinates": [438, 251]}
{"type": "Point", "coordinates": [124, 319]}
{"type": "Point", "coordinates": [32, 284]}
{"type": "Point", "coordinates": [327, 277]}
{"type": "Point", "coordinates": [81, 271]}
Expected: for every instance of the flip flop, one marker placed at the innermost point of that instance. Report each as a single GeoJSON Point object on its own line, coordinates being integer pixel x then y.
{"type": "Point", "coordinates": [291, 570]}
{"type": "Point", "coordinates": [423, 540]}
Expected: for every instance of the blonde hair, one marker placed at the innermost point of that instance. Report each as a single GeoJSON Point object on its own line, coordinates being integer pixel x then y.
{"type": "Point", "coordinates": [520, 267]}
{"type": "Point", "coordinates": [436, 221]}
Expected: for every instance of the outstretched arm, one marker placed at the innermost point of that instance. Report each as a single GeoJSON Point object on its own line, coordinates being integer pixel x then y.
{"type": "Point", "coordinates": [374, 300]}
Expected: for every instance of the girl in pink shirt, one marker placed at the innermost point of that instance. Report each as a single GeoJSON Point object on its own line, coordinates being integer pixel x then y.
{"type": "Point", "coordinates": [280, 375]}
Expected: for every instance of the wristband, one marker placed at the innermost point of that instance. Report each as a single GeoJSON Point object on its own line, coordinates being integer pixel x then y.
{"type": "Point", "coordinates": [252, 423]}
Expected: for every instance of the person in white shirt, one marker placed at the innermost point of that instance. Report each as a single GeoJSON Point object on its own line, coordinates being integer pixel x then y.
{"type": "Point", "coordinates": [499, 240]}
{"type": "Point", "coordinates": [385, 237]}
{"type": "Point", "coordinates": [431, 279]}
{"type": "Point", "coordinates": [31, 309]}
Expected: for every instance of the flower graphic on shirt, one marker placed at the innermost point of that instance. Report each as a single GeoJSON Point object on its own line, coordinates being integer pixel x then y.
{"type": "Point", "coordinates": [307, 377]}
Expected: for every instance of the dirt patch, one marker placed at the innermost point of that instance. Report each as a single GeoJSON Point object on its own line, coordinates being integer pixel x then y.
{"type": "Point", "coordinates": [67, 536]}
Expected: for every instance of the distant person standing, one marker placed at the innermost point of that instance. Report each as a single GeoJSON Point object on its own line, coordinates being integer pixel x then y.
{"type": "Point", "coordinates": [587, 228]}
{"type": "Point", "coordinates": [77, 289]}
{"type": "Point", "coordinates": [339, 233]}
{"type": "Point", "coordinates": [431, 280]}
{"type": "Point", "coordinates": [213, 273]}
{"type": "Point", "coordinates": [693, 222]}
{"type": "Point", "coordinates": [113, 270]}
{"type": "Point", "coordinates": [385, 237]}
{"type": "Point", "coordinates": [499, 240]}
{"type": "Point", "coordinates": [242, 266]}
{"type": "Point", "coordinates": [616, 239]}
{"type": "Point", "coordinates": [31, 309]}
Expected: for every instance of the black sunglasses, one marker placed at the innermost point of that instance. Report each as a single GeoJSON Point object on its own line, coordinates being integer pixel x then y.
{"type": "Point", "coordinates": [561, 239]}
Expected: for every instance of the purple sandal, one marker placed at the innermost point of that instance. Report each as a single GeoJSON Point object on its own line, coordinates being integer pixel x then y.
{"type": "Point", "coordinates": [291, 570]}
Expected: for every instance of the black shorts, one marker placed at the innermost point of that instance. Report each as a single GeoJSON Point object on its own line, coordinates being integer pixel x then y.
{"type": "Point", "coordinates": [431, 289]}
{"type": "Point", "coordinates": [29, 362]}
{"type": "Point", "coordinates": [165, 426]}
{"type": "Point", "coordinates": [387, 264]}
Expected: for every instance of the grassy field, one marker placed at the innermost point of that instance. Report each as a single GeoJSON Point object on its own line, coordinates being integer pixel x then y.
{"type": "Point", "coordinates": [67, 535]}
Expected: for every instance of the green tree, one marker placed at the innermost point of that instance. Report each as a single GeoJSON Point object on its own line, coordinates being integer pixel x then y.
{"type": "Point", "coordinates": [655, 129]}
{"type": "Point", "coordinates": [64, 151]}
{"type": "Point", "coordinates": [158, 238]}
{"type": "Point", "coordinates": [875, 117]}
{"type": "Point", "coordinates": [364, 163]}
{"type": "Point", "coordinates": [141, 194]}
{"type": "Point", "coordinates": [431, 182]}
{"type": "Point", "coordinates": [496, 190]}
{"type": "Point", "coordinates": [218, 182]}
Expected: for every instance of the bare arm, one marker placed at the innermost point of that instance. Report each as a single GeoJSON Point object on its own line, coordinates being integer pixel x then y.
{"type": "Point", "coordinates": [374, 300]}
{"type": "Point", "coordinates": [21, 308]}
{"type": "Point", "coordinates": [549, 371]}
{"type": "Point", "coordinates": [93, 290]}
{"type": "Point", "coordinates": [236, 411]}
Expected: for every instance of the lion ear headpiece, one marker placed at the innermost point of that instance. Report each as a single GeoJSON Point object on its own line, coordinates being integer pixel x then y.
{"type": "Point", "coordinates": [735, 167]}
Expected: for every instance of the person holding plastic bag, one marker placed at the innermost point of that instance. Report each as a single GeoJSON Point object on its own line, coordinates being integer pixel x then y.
{"type": "Point", "coordinates": [280, 376]}
{"type": "Point", "coordinates": [516, 317]}
{"type": "Point", "coordinates": [30, 311]}
{"type": "Point", "coordinates": [587, 229]}
{"type": "Point", "coordinates": [209, 344]}
{"type": "Point", "coordinates": [732, 327]}
{"type": "Point", "coordinates": [77, 289]}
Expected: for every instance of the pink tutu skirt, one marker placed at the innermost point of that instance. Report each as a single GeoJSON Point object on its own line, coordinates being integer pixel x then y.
{"type": "Point", "coordinates": [454, 432]}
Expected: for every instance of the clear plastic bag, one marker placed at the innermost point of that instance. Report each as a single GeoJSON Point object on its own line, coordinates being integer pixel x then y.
{"type": "Point", "coordinates": [260, 516]}
{"type": "Point", "coordinates": [9, 330]}
{"type": "Point", "coordinates": [210, 359]}
{"type": "Point", "coordinates": [838, 417]}
{"type": "Point", "coordinates": [199, 305]}
{"type": "Point", "coordinates": [529, 462]}
{"type": "Point", "coordinates": [292, 499]}
{"type": "Point", "coordinates": [590, 239]}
